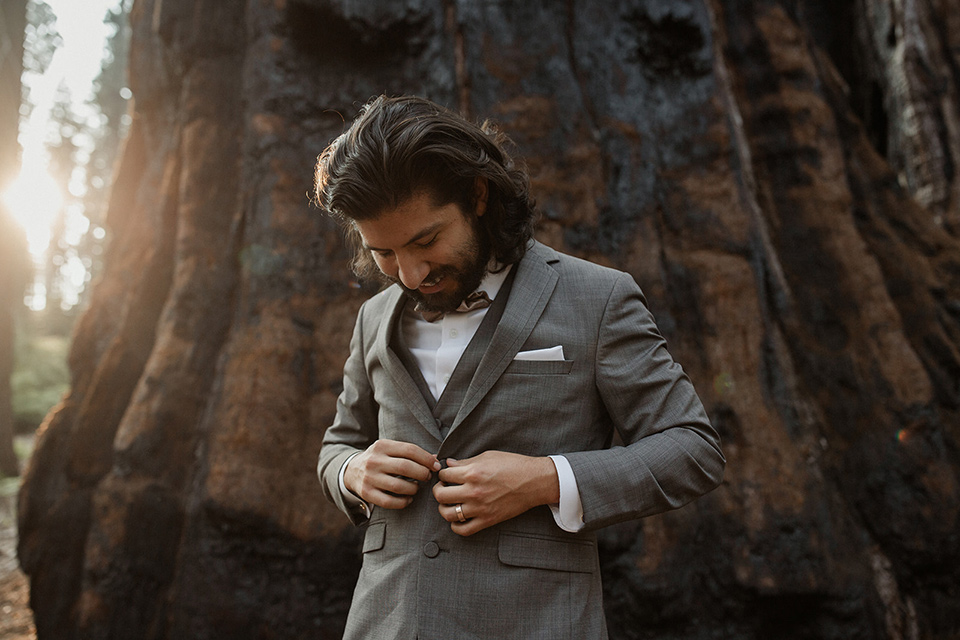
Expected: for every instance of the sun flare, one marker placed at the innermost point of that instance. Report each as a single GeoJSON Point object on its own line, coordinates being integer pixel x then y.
{"type": "Point", "coordinates": [34, 201]}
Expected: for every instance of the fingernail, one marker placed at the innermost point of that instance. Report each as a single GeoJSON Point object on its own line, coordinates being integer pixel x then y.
{"type": "Point", "coordinates": [437, 466]}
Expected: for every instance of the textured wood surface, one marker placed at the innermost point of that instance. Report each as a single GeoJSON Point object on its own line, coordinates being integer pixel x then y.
{"type": "Point", "coordinates": [781, 178]}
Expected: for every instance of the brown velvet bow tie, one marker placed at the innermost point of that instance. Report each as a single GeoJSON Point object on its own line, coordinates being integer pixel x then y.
{"type": "Point", "coordinates": [474, 301]}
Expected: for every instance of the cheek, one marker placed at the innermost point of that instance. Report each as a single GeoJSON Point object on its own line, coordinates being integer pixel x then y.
{"type": "Point", "coordinates": [450, 254]}
{"type": "Point", "coordinates": [385, 264]}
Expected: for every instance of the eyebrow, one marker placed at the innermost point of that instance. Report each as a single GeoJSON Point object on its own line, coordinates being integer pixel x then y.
{"type": "Point", "coordinates": [419, 236]}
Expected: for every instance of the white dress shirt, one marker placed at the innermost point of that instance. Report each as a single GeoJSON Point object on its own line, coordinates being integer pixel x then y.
{"type": "Point", "coordinates": [437, 348]}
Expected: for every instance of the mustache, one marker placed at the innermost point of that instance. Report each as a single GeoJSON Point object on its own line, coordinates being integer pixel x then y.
{"type": "Point", "coordinates": [431, 277]}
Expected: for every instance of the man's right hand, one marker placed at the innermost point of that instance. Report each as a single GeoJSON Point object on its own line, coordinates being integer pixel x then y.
{"type": "Point", "coordinates": [386, 473]}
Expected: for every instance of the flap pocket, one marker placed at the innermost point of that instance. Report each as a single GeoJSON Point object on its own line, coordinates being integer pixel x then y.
{"type": "Point", "coordinates": [540, 552]}
{"type": "Point", "coordinates": [376, 534]}
{"type": "Point", "coordinates": [540, 367]}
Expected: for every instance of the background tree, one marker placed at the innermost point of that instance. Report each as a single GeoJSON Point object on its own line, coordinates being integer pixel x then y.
{"type": "Point", "coordinates": [41, 42]}
{"type": "Point", "coordinates": [13, 251]}
{"type": "Point", "coordinates": [82, 143]}
{"type": "Point", "coordinates": [779, 176]}
{"type": "Point", "coordinates": [111, 99]}
{"type": "Point", "coordinates": [64, 161]}
{"type": "Point", "coordinates": [27, 46]}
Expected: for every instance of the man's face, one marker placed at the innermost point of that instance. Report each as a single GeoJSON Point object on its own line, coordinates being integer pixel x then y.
{"type": "Point", "coordinates": [437, 254]}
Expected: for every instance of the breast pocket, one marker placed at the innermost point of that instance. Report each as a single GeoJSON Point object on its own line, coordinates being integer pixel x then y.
{"type": "Point", "coordinates": [539, 367]}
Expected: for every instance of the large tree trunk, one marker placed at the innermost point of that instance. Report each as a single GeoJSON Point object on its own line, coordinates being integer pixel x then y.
{"type": "Point", "coordinates": [777, 176]}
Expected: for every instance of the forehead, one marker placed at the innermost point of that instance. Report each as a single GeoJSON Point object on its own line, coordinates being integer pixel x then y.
{"type": "Point", "coordinates": [417, 216]}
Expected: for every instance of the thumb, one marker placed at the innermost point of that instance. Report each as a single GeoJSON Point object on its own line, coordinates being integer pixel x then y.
{"type": "Point", "coordinates": [449, 475]}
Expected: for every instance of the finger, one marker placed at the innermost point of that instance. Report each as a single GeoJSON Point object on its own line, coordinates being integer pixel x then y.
{"type": "Point", "coordinates": [410, 451]}
{"type": "Point", "coordinates": [467, 528]}
{"type": "Point", "coordinates": [398, 486]}
{"type": "Point", "coordinates": [452, 494]}
{"type": "Point", "coordinates": [449, 512]}
{"type": "Point", "coordinates": [405, 468]}
{"type": "Point", "coordinates": [388, 501]}
{"type": "Point", "coordinates": [372, 484]}
{"type": "Point", "coordinates": [454, 474]}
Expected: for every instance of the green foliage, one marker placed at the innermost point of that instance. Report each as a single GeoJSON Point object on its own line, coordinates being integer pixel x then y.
{"type": "Point", "coordinates": [9, 488]}
{"type": "Point", "coordinates": [40, 377]}
{"type": "Point", "coordinates": [23, 447]}
{"type": "Point", "coordinates": [8, 507]}
{"type": "Point", "coordinates": [41, 41]}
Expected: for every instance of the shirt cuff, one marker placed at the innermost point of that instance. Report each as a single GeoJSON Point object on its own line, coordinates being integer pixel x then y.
{"type": "Point", "coordinates": [568, 514]}
{"type": "Point", "coordinates": [354, 500]}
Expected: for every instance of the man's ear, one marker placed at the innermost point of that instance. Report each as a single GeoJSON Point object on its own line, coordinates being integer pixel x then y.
{"type": "Point", "coordinates": [480, 195]}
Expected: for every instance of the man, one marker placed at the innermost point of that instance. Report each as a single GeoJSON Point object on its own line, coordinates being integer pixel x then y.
{"type": "Point", "coordinates": [474, 438]}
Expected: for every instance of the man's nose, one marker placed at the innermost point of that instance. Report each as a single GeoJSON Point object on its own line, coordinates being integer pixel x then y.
{"type": "Point", "coordinates": [412, 272]}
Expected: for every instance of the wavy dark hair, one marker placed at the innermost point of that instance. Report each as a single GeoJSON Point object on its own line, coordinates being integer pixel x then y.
{"type": "Point", "coordinates": [403, 146]}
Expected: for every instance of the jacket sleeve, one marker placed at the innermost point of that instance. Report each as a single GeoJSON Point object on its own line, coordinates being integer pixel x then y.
{"type": "Point", "coordinates": [354, 428]}
{"type": "Point", "coordinates": [671, 453]}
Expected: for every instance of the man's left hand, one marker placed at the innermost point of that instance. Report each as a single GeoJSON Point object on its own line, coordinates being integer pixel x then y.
{"type": "Point", "coordinates": [493, 487]}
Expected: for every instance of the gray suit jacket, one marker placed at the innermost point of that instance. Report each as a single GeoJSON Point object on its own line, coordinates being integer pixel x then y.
{"type": "Point", "coordinates": [524, 578]}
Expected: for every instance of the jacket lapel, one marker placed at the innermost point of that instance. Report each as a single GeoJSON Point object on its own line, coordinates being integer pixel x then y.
{"type": "Point", "coordinates": [532, 287]}
{"type": "Point", "coordinates": [405, 386]}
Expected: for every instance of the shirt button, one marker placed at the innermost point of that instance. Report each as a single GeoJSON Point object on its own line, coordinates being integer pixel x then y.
{"type": "Point", "coordinates": [453, 333]}
{"type": "Point", "coordinates": [431, 549]}
{"type": "Point", "coordinates": [446, 377]}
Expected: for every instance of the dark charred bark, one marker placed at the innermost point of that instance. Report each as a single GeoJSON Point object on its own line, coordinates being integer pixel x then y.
{"type": "Point", "coordinates": [777, 176]}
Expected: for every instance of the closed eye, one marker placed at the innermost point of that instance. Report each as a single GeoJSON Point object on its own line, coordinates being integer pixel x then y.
{"type": "Point", "coordinates": [427, 243]}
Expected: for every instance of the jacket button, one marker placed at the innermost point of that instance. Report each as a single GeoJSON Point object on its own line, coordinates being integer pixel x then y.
{"type": "Point", "coordinates": [431, 549]}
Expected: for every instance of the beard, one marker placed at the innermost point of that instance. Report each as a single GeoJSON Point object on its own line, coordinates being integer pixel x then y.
{"type": "Point", "coordinates": [472, 260]}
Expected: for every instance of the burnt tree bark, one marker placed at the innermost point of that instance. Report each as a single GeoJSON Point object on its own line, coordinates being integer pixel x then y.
{"type": "Point", "coordinates": [781, 179]}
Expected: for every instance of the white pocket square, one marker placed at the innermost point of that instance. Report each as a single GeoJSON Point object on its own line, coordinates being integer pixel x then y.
{"type": "Point", "coordinates": [551, 353]}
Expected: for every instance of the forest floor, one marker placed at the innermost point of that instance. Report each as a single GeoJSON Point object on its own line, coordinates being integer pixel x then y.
{"type": "Point", "coordinates": [16, 618]}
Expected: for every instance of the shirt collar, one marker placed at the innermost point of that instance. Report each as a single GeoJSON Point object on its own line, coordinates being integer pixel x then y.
{"type": "Point", "coordinates": [492, 281]}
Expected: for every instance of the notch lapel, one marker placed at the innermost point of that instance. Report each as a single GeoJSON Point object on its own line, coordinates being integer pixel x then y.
{"type": "Point", "coordinates": [404, 385]}
{"type": "Point", "coordinates": [532, 287]}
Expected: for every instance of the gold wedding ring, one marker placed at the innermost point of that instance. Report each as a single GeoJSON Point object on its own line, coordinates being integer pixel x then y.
{"type": "Point", "coordinates": [460, 513]}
